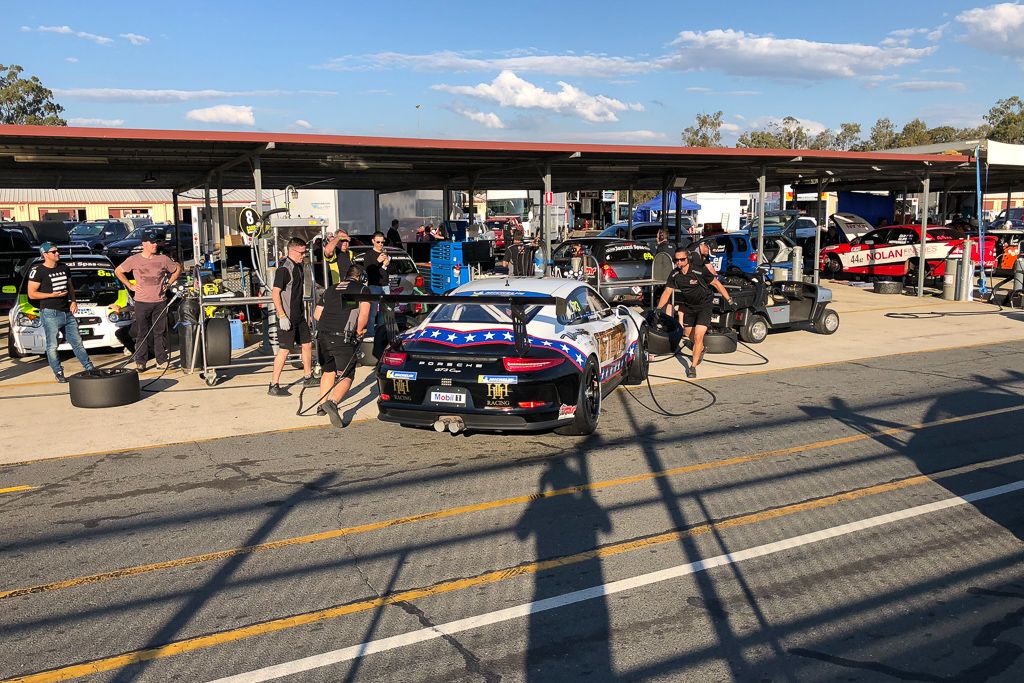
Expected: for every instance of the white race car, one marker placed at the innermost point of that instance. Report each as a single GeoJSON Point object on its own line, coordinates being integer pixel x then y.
{"type": "Point", "coordinates": [103, 308]}
{"type": "Point", "coordinates": [516, 354]}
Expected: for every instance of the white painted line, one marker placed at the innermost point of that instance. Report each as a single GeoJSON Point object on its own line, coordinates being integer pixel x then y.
{"type": "Point", "coordinates": [394, 642]}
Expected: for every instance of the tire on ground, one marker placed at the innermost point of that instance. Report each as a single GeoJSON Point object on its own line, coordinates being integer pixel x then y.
{"type": "Point", "coordinates": [218, 342]}
{"type": "Point", "coordinates": [113, 388]}
{"type": "Point", "coordinates": [888, 287]}
{"type": "Point", "coordinates": [720, 341]}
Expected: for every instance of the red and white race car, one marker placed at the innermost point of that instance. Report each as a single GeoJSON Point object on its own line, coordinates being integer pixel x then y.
{"type": "Point", "coordinates": [894, 251]}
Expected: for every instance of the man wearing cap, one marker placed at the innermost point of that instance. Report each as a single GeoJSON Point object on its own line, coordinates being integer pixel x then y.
{"type": "Point", "coordinates": [149, 270]}
{"type": "Point", "coordinates": [51, 290]}
{"type": "Point", "coordinates": [337, 255]}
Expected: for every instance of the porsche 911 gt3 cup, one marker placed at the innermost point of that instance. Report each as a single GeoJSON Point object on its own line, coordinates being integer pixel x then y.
{"type": "Point", "coordinates": [512, 355]}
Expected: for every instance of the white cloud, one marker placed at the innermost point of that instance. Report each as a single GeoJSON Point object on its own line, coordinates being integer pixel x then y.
{"type": "Point", "coordinates": [731, 128]}
{"type": "Point", "coordinates": [509, 90]}
{"type": "Point", "coordinates": [924, 86]}
{"type": "Point", "coordinates": [487, 119]}
{"type": "Point", "coordinates": [936, 34]}
{"type": "Point", "coordinates": [101, 123]}
{"type": "Point", "coordinates": [650, 136]}
{"type": "Point", "coordinates": [170, 95]}
{"type": "Point", "coordinates": [72, 60]}
{"type": "Point", "coordinates": [67, 30]}
{"type": "Point", "coordinates": [563, 65]}
{"type": "Point", "coordinates": [302, 123]}
{"type": "Point", "coordinates": [746, 54]}
{"type": "Point", "coordinates": [231, 114]}
{"type": "Point", "coordinates": [996, 28]}
{"type": "Point", "coordinates": [698, 89]}
{"type": "Point", "coordinates": [26, 29]}
{"type": "Point", "coordinates": [135, 38]}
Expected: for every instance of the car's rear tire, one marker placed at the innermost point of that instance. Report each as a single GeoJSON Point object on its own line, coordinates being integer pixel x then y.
{"type": "Point", "coordinates": [588, 402]}
{"type": "Point", "coordinates": [826, 322]}
{"type": "Point", "coordinates": [12, 347]}
{"type": "Point", "coordinates": [640, 364]}
{"type": "Point", "coordinates": [755, 330]}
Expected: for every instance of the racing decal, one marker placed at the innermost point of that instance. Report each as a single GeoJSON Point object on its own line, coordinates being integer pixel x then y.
{"type": "Point", "coordinates": [611, 343]}
{"type": "Point", "coordinates": [497, 379]}
{"type": "Point", "coordinates": [565, 412]}
{"type": "Point", "coordinates": [888, 254]}
{"type": "Point", "coordinates": [507, 292]}
{"type": "Point", "coordinates": [400, 374]}
{"type": "Point", "coordinates": [460, 338]}
{"type": "Point", "coordinates": [401, 387]}
{"type": "Point", "coordinates": [498, 392]}
{"type": "Point", "coordinates": [619, 364]}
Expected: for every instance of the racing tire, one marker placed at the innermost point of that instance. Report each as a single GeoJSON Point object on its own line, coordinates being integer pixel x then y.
{"type": "Point", "coordinates": [588, 403]}
{"type": "Point", "coordinates": [826, 322]}
{"type": "Point", "coordinates": [12, 346]}
{"type": "Point", "coordinates": [833, 266]}
{"type": "Point", "coordinates": [218, 342]}
{"type": "Point", "coordinates": [719, 341]}
{"type": "Point", "coordinates": [640, 365]}
{"type": "Point", "coordinates": [755, 330]}
{"type": "Point", "coordinates": [888, 287]}
{"type": "Point", "coordinates": [1014, 299]}
{"type": "Point", "coordinates": [112, 388]}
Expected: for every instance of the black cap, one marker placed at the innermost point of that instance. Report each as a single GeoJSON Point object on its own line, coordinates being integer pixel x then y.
{"type": "Point", "coordinates": [152, 236]}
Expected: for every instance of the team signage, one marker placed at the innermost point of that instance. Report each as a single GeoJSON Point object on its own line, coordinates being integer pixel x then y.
{"type": "Point", "coordinates": [249, 220]}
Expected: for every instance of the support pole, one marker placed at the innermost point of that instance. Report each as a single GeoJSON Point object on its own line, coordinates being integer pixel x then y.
{"type": "Point", "coordinates": [548, 222]}
{"type": "Point", "coordinates": [760, 214]}
{"type": "Point", "coordinates": [629, 213]}
{"type": "Point", "coordinates": [376, 210]}
{"type": "Point", "coordinates": [174, 222]}
{"type": "Point", "coordinates": [664, 203]}
{"type": "Point", "coordinates": [257, 179]}
{"type": "Point", "coordinates": [679, 214]}
{"type": "Point", "coordinates": [446, 206]}
{"type": "Point", "coordinates": [782, 197]}
{"type": "Point", "coordinates": [816, 273]}
{"type": "Point", "coordinates": [927, 183]}
{"type": "Point", "coordinates": [207, 220]}
{"type": "Point", "coordinates": [223, 228]}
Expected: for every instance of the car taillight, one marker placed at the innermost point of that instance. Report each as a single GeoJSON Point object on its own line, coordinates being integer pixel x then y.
{"type": "Point", "coordinates": [608, 272]}
{"type": "Point", "coordinates": [531, 404]}
{"type": "Point", "coordinates": [530, 364]}
{"type": "Point", "coordinates": [393, 359]}
{"type": "Point", "coordinates": [385, 397]}
{"type": "Point", "coordinates": [419, 281]}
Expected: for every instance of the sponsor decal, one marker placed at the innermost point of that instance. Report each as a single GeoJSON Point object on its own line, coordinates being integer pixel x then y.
{"type": "Point", "coordinates": [506, 292]}
{"type": "Point", "coordinates": [401, 387]}
{"type": "Point", "coordinates": [400, 374]}
{"type": "Point", "coordinates": [498, 392]}
{"type": "Point", "coordinates": [456, 397]}
{"type": "Point", "coordinates": [497, 379]}
{"type": "Point", "coordinates": [611, 343]}
{"type": "Point", "coordinates": [500, 335]}
{"type": "Point", "coordinates": [565, 412]}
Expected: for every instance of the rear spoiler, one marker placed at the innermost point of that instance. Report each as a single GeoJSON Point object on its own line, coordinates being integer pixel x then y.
{"type": "Point", "coordinates": [517, 305]}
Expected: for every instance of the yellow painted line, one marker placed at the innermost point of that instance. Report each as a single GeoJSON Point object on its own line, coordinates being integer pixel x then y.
{"type": "Point", "coordinates": [483, 506]}
{"type": "Point", "coordinates": [527, 568]}
{"type": "Point", "coordinates": [15, 489]}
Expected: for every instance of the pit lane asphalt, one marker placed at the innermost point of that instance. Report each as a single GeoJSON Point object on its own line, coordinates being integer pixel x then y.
{"type": "Point", "coordinates": [779, 454]}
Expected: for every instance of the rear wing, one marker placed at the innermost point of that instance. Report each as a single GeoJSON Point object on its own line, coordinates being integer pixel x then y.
{"type": "Point", "coordinates": [517, 309]}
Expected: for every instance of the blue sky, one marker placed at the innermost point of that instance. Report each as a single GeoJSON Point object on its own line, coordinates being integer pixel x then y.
{"type": "Point", "coordinates": [569, 71]}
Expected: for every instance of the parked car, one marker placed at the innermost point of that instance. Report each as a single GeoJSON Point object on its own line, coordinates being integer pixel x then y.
{"type": "Point", "coordinates": [1007, 247]}
{"type": "Point", "coordinates": [737, 251]}
{"type": "Point", "coordinates": [646, 232]}
{"type": "Point", "coordinates": [468, 367]}
{"type": "Point", "coordinates": [894, 251]}
{"type": "Point", "coordinates": [15, 251]}
{"type": "Point", "coordinates": [1009, 218]}
{"type": "Point", "coordinates": [614, 260]}
{"type": "Point", "coordinates": [132, 244]}
{"type": "Point", "coordinates": [98, 234]}
{"type": "Point", "coordinates": [103, 308]}
{"type": "Point", "coordinates": [405, 275]}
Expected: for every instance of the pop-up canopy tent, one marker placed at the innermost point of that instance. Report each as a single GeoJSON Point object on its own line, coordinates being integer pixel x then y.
{"type": "Point", "coordinates": [644, 211]}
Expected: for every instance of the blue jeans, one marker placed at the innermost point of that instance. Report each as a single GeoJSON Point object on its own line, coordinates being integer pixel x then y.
{"type": "Point", "coordinates": [53, 322]}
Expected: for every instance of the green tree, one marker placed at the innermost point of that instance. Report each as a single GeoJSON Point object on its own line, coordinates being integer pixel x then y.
{"type": "Point", "coordinates": [706, 131]}
{"type": "Point", "coordinates": [25, 102]}
{"type": "Point", "coordinates": [944, 134]}
{"type": "Point", "coordinates": [1006, 119]}
{"type": "Point", "coordinates": [848, 136]}
{"type": "Point", "coordinates": [785, 134]}
{"type": "Point", "coordinates": [882, 136]}
{"type": "Point", "coordinates": [914, 133]}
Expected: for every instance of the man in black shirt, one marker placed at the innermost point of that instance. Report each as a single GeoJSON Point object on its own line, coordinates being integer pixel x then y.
{"type": "Point", "coordinates": [664, 246]}
{"type": "Point", "coordinates": [291, 281]}
{"type": "Point", "coordinates": [692, 286]}
{"type": "Point", "coordinates": [341, 323]}
{"type": "Point", "coordinates": [518, 256]}
{"type": "Point", "coordinates": [394, 238]}
{"type": "Point", "coordinates": [51, 290]}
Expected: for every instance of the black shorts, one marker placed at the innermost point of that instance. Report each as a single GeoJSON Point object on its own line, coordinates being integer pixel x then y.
{"type": "Point", "coordinates": [336, 356]}
{"type": "Point", "coordinates": [696, 315]}
{"type": "Point", "coordinates": [295, 336]}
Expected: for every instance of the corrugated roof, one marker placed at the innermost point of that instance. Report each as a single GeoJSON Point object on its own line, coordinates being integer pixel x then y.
{"type": "Point", "coordinates": [127, 197]}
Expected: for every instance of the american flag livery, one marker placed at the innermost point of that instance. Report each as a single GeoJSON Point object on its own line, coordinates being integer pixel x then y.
{"type": "Point", "coordinates": [498, 335]}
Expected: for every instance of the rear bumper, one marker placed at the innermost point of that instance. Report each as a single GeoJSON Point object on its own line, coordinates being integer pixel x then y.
{"type": "Point", "coordinates": [426, 416]}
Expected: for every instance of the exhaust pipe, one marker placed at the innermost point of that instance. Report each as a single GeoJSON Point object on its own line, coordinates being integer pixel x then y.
{"type": "Point", "coordinates": [451, 424]}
